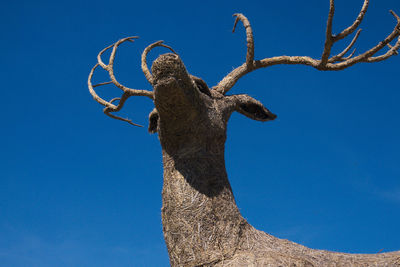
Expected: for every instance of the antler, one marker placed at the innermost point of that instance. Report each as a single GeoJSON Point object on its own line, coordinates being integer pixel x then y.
{"type": "Point", "coordinates": [145, 69]}
{"type": "Point", "coordinates": [127, 92]}
{"type": "Point", "coordinates": [337, 62]}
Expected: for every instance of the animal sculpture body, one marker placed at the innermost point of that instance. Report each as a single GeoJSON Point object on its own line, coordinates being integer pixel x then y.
{"type": "Point", "coordinates": [201, 223]}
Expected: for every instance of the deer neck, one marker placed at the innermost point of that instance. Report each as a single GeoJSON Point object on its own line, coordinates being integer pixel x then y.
{"type": "Point", "coordinates": [199, 213]}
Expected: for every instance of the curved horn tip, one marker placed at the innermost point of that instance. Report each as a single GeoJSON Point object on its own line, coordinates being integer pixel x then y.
{"type": "Point", "coordinates": [395, 15]}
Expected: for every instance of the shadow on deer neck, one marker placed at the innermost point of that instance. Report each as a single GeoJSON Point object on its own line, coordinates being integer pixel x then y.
{"type": "Point", "coordinates": [191, 127]}
{"type": "Point", "coordinates": [191, 121]}
{"type": "Point", "coordinates": [201, 223]}
{"type": "Point", "coordinates": [188, 118]}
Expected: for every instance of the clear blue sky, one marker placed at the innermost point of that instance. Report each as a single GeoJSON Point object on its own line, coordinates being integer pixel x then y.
{"type": "Point", "coordinates": [80, 189]}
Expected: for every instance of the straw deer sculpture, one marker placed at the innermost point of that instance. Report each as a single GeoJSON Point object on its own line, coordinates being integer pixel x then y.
{"type": "Point", "coordinates": [202, 225]}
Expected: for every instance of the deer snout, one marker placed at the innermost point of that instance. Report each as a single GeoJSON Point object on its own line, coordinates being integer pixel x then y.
{"type": "Point", "coordinates": [169, 65]}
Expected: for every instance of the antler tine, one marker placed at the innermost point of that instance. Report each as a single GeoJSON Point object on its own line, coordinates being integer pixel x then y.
{"type": "Point", "coordinates": [391, 52]}
{"type": "Point", "coordinates": [349, 30]}
{"type": "Point", "coordinates": [145, 69]}
{"type": "Point", "coordinates": [395, 52]}
{"type": "Point", "coordinates": [109, 107]}
{"type": "Point", "coordinates": [128, 92]}
{"type": "Point", "coordinates": [249, 38]}
{"type": "Point", "coordinates": [350, 56]}
{"type": "Point", "coordinates": [99, 60]}
{"type": "Point", "coordinates": [229, 80]}
{"type": "Point", "coordinates": [393, 49]}
{"type": "Point", "coordinates": [100, 84]}
{"type": "Point", "coordinates": [93, 92]}
{"type": "Point", "coordinates": [368, 55]}
{"type": "Point", "coordinates": [330, 39]}
{"type": "Point", "coordinates": [121, 103]}
{"type": "Point", "coordinates": [110, 68]}
{"type": "Point", "coordinates": [115, 46]}
{"type": "Point", "coordinates": [339, 57]}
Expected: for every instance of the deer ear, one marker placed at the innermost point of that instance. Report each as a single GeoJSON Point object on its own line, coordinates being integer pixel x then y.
{"type": "Point", "coordinates": [252, 108]}
{"type": "Point", "coordinates": [153, 121]}
{"type": "Point", "coordinates": [201, 85]}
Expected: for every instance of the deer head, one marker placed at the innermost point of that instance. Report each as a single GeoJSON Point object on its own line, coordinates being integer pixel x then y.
{"type": "Point", "coordinates": [182, 100]}
{"type": "Point", "coordinates": [191, 120]}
